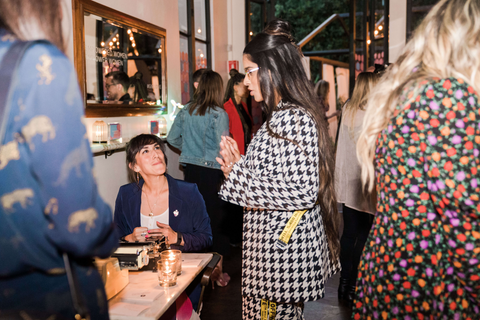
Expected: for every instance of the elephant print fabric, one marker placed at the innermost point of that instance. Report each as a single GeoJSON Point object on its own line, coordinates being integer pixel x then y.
{"type": "Point", "coordinates": [421, 259]}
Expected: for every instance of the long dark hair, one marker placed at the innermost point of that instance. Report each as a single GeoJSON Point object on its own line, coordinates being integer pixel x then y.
{"type": "Point", "coordinates": [208, 94]}
{"type": "Point", "coordinates": [141, 91]}
{"type": "Point", "coordinates": [40, 18]}
{"type": "Point", "coordinates": [230, 91]}
{"type": "Point", "coordinates": [281, 74]}
{"type": "Point", "coordinates": [135, 145]}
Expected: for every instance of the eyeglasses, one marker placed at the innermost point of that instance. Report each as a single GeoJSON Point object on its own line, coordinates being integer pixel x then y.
{"type": "Point", "coordinates": [248, 73]}
{"type": "Point", "coordinates": [110, 85]}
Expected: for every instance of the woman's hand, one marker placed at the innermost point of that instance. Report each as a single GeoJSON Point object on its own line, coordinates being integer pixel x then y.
{"type": "Point", "coordinates": [138, 234]}
{"type": "Point", "coordinates": [230, 154]}
{"type": "Point", "coordinates": [163, 230]}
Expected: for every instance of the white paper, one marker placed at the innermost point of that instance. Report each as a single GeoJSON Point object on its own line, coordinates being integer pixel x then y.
{"type": "Point", "coordinates": [127, 309]}
{"type": "Point", "coordinates": [140, 295]}
{"type": "Point", "coordinates": [191, 263]}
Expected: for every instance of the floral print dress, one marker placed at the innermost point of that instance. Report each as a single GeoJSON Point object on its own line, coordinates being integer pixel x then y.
{"type": "Point", "coordinates": [421, 258]}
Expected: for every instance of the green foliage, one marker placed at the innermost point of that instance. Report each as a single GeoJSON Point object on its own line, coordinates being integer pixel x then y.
{"type": "Point", "coordinates": [306, 15]}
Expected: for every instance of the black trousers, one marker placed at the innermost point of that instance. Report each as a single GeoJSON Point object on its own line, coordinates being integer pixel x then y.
{"type": "Point", "coordinates": [356, 226]}
{"type": "Point", "coordinates": [208, 181]}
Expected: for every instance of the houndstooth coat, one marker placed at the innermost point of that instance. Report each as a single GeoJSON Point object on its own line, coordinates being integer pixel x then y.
{"type": "Point", "coordinates": [274, 179]}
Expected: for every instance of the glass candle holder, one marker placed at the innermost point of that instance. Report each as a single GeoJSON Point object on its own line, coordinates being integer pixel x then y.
{"type": "Point", "coordinates": [167, 272]}
{"type": "Point", "coordinates": [99, 132]}
{"type": "Point", "coordinates": [173, 255]}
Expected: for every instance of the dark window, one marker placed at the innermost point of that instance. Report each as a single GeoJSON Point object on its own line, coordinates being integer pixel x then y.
{"type": "Point", "coordinates": [194, 19]}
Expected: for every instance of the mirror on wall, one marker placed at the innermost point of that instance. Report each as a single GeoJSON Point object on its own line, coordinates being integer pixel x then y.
{"type": "Point", "coordinates": [120, 61]}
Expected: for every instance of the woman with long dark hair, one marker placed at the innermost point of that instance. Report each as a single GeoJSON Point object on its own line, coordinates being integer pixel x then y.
{"type": "Point", "coordinates": [284, 183]}
{"type": "Point", "coordinates": [49, 199]}
{"type": "Point", "coordinates": [197, 132]}
{"type": "Point", "coordinates": [240, 120]}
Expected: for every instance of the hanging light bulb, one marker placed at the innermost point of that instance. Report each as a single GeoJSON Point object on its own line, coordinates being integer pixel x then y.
{"type": "Point", "coordinates": [102, 43]}
{"type": "Point", "coordinates": [380, 28]}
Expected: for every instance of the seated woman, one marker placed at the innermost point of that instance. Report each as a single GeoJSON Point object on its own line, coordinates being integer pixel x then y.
{"type": "Point", "coordinates": [158, 205]}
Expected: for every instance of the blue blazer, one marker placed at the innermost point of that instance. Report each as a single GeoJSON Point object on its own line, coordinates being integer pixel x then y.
{"type": "Point", "coordinates": [192, 219]}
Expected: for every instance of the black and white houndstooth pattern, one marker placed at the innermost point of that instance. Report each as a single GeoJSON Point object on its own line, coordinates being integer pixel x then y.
{"type": "Point", "coordinates": [275, 178]}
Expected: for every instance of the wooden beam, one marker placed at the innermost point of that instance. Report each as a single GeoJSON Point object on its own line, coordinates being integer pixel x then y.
{"type": "Point", "coordinates": [332, 62]}
{"type": "Point", "coordinates": [319, 29]}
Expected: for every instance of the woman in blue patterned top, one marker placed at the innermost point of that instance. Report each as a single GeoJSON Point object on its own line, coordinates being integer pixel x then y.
{"type": "Point", "coordinates": [49, 203]}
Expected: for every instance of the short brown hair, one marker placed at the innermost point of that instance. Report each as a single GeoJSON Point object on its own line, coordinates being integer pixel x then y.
{"type": "Point", "coordinates": [135, 145]}
{"type": "Point", "coordinates": [119, 77]}
{"type": "Point", "coordinates": [209, 93]}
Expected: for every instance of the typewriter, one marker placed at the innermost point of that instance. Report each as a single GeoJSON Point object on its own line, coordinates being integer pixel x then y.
{"type": "Point", "coordinates": [139, 255]}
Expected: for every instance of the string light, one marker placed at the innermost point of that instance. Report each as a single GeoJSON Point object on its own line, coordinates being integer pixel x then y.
{"type": "Point", "coordinates": [131, 38]}
{"type": "Point", "coordinates": [133, 44]}
{"type": "Point", "coordinates": [368, 41]}
{"type": "Point", "coordinates": [376, 32]}
{"type": "Point", "coordinates": [118, 43]}
{"type": "Point", "coordinates": [251, 33]}
{"type": "Point", "coordinates": [114, 39]}
{"type": "Point", "coordinates": [129, 31]}
{"type": "Point", "coordinates": [380, 28]}
{"type": "Point", "coordinates": [111, 43]}
{"type": "Point", "coordinates": [199, 30]}
{"type": "Point", "coordinates": [102, 43]}
{"type": "Point", "coordinates": [160, 50]}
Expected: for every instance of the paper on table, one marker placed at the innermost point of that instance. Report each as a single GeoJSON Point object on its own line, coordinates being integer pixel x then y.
{"type": "Point", "coordinates": [191, 263]}
{"type": "Point", "coordinates": [140, 295]}
{"type": "Point", "coordinates": [127, 309]}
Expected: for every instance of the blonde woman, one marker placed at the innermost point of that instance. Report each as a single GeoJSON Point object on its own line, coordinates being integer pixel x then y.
{"type": "Point", "coordinates": [358, 205]}
{"type": "Point", "coordinates": [420, 146]}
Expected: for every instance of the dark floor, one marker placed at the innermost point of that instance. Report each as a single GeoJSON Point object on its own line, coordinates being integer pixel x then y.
{"type": "Point", "coordinates": [226, 303]}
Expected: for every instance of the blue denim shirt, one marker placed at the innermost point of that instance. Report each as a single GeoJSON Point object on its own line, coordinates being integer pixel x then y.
{"type": "Point", "coordinates": [198, 137]}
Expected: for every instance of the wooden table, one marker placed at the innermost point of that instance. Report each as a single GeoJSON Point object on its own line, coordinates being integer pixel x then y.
{"type": "Point", "coordinates": [143, 298]}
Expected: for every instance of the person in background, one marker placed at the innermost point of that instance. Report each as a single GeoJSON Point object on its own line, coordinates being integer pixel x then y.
{"type": "Point", "coordinates": [240, 121]}
{"type": "Point", "coordinates": [50, 204]}
{"type": "Point", "coordinates": [322, 88]}
{"type": "Point", "coordinates": [287, 173]}
{"type": "Point", "coordinates": [358, 205]}
{"type": "Point", "coordinates": [420, 146]}
{"type": "Point", "coordinates": [240, 126]}
{"type": "Point", "coordinates": [137, 89]}
{"type": "Point", "coordinates": [197, 75]}
{"type": "Point", "coordinates": [197, 132]}
{"type": "Point", "coordinates": [232, 72]}
{"type": "Point", "coordinates": [117, 83]}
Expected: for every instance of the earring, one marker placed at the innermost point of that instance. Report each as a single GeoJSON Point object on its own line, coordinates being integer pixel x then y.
{"type": "Point", "coordinates": [138, 180]}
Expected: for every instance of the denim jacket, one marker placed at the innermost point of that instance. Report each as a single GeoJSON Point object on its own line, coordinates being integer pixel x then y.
{"type": "Point", "coordinates": [198, 137]}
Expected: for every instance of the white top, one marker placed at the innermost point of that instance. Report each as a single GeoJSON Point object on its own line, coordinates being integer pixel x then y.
{"type": "Point", "coordinates": [348, 182]}
{"type": "Point", "coordinates": [151, 222]}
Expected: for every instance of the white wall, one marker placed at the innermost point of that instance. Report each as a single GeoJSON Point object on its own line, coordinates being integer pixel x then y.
{"type": "Point", "coordinates": [398, 28]}
{"type": "Point", "coordinates": [219, 17]}
{"type": "Point", "coordinates": [236, 31]}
